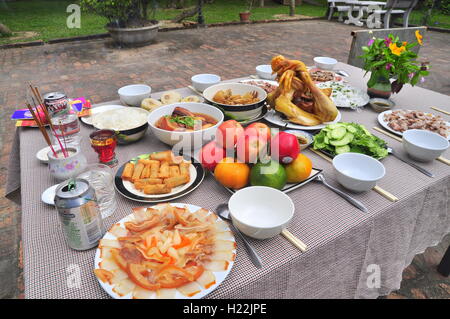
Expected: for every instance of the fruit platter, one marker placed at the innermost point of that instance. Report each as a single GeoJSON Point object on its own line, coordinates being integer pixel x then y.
{"type": "Point", "coordinates": [256, 156]}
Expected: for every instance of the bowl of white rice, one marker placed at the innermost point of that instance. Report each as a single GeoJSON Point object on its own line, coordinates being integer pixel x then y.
{"type": "Point", "coordinates": [130, 123]}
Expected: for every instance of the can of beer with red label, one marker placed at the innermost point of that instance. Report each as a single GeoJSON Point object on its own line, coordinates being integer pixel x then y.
{"type": "Point", "coordinates": [79, 214]}
{"type": "Point", "coordinates": [56, 103]}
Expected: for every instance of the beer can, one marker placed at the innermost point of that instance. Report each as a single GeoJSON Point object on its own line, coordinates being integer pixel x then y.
{"type": "Point", "coordinates": [79, 214]}
{"type": "Point", "coordinates": [56, 103]}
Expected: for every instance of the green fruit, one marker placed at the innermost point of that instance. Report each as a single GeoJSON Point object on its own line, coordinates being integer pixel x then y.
{"type": "Point", "coordinates": [271, 174]}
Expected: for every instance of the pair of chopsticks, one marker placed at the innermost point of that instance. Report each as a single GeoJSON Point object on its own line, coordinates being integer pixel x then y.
{"type": "Point", "coordinates": [440, 110]}
{"type": "Point", "coordinates": [193, 89]}
{"type": "Point", "coordinates": [377, 188]}
{"type": "Point", "coordinates": [440, 158]}
{"type": "Point", "coordinates": [294, 240]}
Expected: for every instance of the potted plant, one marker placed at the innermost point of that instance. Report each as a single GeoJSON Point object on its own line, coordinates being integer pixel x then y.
{"type": "Point", "coordinates": [245, 16]}
{"type": "Point", "coordinates": [128, 21]}
{"type": "Point", "coordinates": [390, 58]}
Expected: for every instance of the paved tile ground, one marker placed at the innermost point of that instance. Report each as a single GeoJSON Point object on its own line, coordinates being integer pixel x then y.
{"type": "Point", "coordinates": [96, 69]}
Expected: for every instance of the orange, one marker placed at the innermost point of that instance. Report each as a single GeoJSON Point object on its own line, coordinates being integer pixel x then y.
{"type": "Point", "coordinates": [232, 174]}
{"type": "Point", "coordinates": [299, 169]}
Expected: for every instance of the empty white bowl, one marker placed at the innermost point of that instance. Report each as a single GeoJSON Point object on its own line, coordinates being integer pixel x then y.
{"type": "Point", "coordinates": [424, 145]}
{"type": "Point", "coordinates": [325, 63]}
{"type": "Point", "coordinates": [261, 212]}
{"type": "Point", "coordinates": [203, 81]}
{"type": "Point", "coordinates": [264, 71]}
{"type": "Point", "coordinates": [186, 140]}
{"type": "Point", "coordinates": [133, 95]}
{"type": "Point", "coordinates": [357, 172]}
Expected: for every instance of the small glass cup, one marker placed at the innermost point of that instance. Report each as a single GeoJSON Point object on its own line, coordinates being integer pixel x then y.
{"type": "Point", "coordinates": [104, 143]}
{"type": "Point", "coordinates": [101, 178]}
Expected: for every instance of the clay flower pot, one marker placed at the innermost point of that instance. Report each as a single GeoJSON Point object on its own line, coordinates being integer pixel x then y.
{"type": "Point", "coordinates": [244, 16]}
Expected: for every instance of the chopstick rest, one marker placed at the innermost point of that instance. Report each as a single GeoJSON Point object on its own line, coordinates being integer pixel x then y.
{"type": "Point", "coordinates": [377, 188]}
{"type": "Point", "coordinates": [294, 240]}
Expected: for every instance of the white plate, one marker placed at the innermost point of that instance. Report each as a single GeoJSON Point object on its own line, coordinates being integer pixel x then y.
{"type": "Point", "coordinates": [176, 190]}
{"type": "Point", "coordinates": [48, 196]}
{"type": "Point", "coordinates": [220, 275]}
{"type": "Point", "coordinates": [348, 96]}
{"type": "Point", "coordinates": [275, 118]}
{"type": "Point", "coordinates": [260, 80]}
{"type": "Point", "coordinates": [41, 155]}
{"type": "Point", "coordinates": [99, 109]}
{"type": "Point", "coordinates": [384, 123]}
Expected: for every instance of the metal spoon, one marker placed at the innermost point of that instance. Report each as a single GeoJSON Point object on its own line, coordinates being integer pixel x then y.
{"type": "Point", "coordinates": [223, 211]}
{"type": "Point", "coordinates": [342, 72]}
{"type": "Point", "coordinates": [417, 167]}
{"type": "Point", "coordinates": [347, 197]}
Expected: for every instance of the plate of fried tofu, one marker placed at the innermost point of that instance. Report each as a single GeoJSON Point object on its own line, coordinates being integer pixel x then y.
{"type": "Point", "coordinates": [158, 177]}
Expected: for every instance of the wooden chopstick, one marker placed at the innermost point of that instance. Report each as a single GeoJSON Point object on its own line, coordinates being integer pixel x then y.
{"type": "Point", "coordinates": [195, 90]}
{"type": "Point", "coordinates": [440, 158]}
{"type": "Point", "coordinates": [377, 188]}
{"type": "Point", "coordinates": [294, 240]}
{"type": "Point", "coordinates": [439, 110]}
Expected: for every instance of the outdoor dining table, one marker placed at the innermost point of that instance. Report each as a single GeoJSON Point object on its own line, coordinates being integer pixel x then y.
{"type": "Point", "coordinates": [348, 250]}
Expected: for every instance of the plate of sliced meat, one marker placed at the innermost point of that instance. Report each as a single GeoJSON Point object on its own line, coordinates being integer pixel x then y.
{"type": "Point", "coordinates": [167, 251]}
{"type": "Point", "coordinates": [399, 121]}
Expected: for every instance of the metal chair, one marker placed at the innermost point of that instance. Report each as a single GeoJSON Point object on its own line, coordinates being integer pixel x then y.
{"type": "Point", "coordinates": [339, 6]}
{"type": "Point", "coordinates": [397, 7]}
{"type": "Point", "coordinates": [361, 37]}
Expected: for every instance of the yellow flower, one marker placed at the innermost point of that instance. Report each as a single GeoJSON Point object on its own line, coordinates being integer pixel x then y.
{"type": "Point", "coordinates": [405, 43]}
{"type": "Point", "coordinates": [419, 37]}
{"type": "Point", "coordinates": [395, 49]}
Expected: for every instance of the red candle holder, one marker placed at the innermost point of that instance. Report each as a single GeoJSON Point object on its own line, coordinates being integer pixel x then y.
{"type": "Point", "coordinates": [104, 143]}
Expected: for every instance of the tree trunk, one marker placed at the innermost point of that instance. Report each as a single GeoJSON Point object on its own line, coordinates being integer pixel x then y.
{"type": "Point", "coordinates": [292, 8]}
{"type": "Point", "coordinates": [186, 14]}
{"type": "Point", "coordinates": [4, 29]}
{"type": "Point", "coordinates": [261, 3]}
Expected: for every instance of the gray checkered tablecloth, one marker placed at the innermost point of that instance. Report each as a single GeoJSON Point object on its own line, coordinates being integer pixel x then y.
{"type": "Point", "coordinates": [343, 242]}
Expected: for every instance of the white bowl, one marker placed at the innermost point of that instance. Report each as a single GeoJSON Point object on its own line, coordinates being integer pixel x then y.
{"type": "Point", "coordinates": [357, 172]}
{"type": "Point", "coordinates": [264, 71]}
{"type": "Point", "coordinates": [186, 140]}
{"type": "Point", "coordinates": [133, 95]}
{"type": "Point", "coordinates": [325, 63]}
{"type": "Point", "coordinates": [261, 212]}
{"type": "Point", "coordinates": [202, 81]}
{"type": "Point", "coordinates": [424, 145]}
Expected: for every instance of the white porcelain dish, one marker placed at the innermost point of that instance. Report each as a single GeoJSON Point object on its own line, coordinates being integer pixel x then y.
{"type": "Point", "coordinates": [237, 112]}
{"type": "Point", "coordinates": [219, 275]}
{"type": "Point", "coordinates": [203, 81]}
{"type": "Point", "coordinates": [133, 95]}
{"type": "Point", "coordinates": [99, 109]}
{"type": "Point", "coordinates": [42, 156]}
{"type": "Point", "coordinates": [302, 135]}
{"type": "Point", "coordinates": [345, 95]}
{"type": "Point", "coordinates": [186, 140]}
{"type": "Point", "coordinates": [261, 212]}
{"type": "Point", "coordinates": [275, 118]}
{"type": "Point", "coordinates": [384, 123]}
{"type": "Point", "coordinates": [423, 145]}
{"type": "Point", "coordinates": [48, 196]}
{"type": "Point", "coordinates": [264, 71]}
{"type": "Point", "coordinates": [357, 172]}
{"type": "Point", "coordinates": [325, 63]}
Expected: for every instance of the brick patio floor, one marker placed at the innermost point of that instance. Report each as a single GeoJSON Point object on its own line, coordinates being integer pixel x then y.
{"type": "Point", "coordinates": [96, 69]}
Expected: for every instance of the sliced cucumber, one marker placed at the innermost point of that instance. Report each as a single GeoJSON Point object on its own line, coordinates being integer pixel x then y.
{"type": "Point", "coordinates": [342, 149]}
{"type": "Point", "coordinates": [338, 133]}
{"type": "Point", "coordinates": [351, 129]}
{"type": "Point", "coordinates": [344, 141]}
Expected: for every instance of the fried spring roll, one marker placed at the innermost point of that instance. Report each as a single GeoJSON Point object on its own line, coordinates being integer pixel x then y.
{"type": "Point", "coordinates": [157, 189]}
{"type": "Point", "coordinates": [150, 181]}
{"type": "Point", "coordinates": [177, 180]}
{"type": "Point", "coordinates": [154, 170]}
{"type": "Point", "coordinates": [164, 170]}
{"type": "Point", "coordinates": [128, 172]}
{"type": "Point", "coordinates": [184, 168]}
{"type": "Point", "coordinates": [174, 170]}
{"type": "Point", "coordinates": [137, 172]}
{"type": "Point", "coordinates": [162, 156]}
{"type": "Point", "coordinates": [147, 161]}
{"type": "Point", "coordinates": [146, 172]}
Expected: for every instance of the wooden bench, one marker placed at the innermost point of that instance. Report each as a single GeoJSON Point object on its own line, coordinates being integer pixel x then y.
{"type": "Point", "coordinates": [339, 6]}
{"type": "Point", "coordinates": [396, 8]}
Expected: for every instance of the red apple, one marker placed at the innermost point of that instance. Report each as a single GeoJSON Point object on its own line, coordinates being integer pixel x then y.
{"type": "Point", "coordinates": [250, 147]}
{"type": "Point", "coordinates": [228, 133]}
{"type": "Point", "coordinates": [258, 129]}
{"type": "Point", "coordinates": [210, 155]}
{"type": "Point", "coordinates": [284, 147]}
